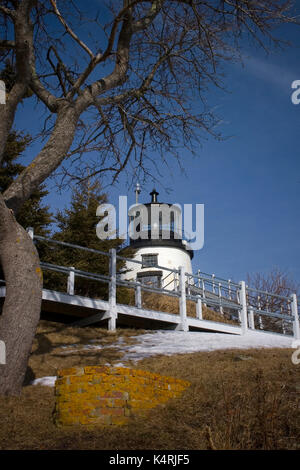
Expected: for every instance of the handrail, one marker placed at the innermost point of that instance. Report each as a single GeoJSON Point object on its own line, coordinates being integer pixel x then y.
{"type": "Point", "coordinates": [78, 272]}
{"type": "Point", "coordinates": [70, 245]}
{"type": "Point", "coordinates": [212, 278]}
{"type": "Point", "coordinates": [224, 292]}
{"type": "Point", "coordinates": [253, 289]}
{"type": "Point", "coordinates": [215, 302]}
{"type": "Point", "coordinates": [103, 277]}
{"type": "Point", "coordinates": [272, 314]}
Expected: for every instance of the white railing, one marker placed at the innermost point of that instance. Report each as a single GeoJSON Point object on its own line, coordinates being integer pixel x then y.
{"type": "Point", "coordinates": [252, 308]}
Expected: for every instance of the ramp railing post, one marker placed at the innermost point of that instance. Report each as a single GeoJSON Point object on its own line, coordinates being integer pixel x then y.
{"type": "Point", "coordinates": [199, 313]}
{"type": "Point", "coordinates": [243, 310]}
{"type": "Point", "coordinates": [296, 327]}
{"type": "Point", "coordinates": [183, 326]}
{"type": "Point", "coordinates": [229, 289]}
{"type": "Point", "coordinates": [260, 322]}
{"type": "Point", "coordinates": [71, 281]}
{"type": "Point", "coordinates": [198, 274]}
{"type": "Point", "coordinates": [203, 292]}
{"type": "Point", "coordinates": [112, 299]}
{"type": "Point", "coordinates": [213, 283]}
{"type": "Point", "coordinates": [138, 295]}
{"type": "Point", "coordinates": [175, 281]}
{"type": "Point", "coordinates": [251, 318]}
{"type": "Point", "coordinates": [220, 298]}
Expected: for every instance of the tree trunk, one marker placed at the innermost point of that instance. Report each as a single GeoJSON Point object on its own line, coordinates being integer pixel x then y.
{"type": "Point", "coordinates": [21, 309]}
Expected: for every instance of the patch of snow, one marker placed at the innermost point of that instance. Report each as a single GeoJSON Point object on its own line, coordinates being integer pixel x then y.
{"type": "Point", "coordinates": [119, 364]}
{"type": "Point", "coordinates": [179, 342]}
{"type": "Point", "coordinates": [45, 381]}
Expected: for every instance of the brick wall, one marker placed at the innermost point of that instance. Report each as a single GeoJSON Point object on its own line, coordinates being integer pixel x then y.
{"type": "Point", "coordinates": [109, 395]}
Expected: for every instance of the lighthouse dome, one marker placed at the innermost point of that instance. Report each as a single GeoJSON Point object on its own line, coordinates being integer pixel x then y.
{"type": "Point", "coordinates": [155, 230]}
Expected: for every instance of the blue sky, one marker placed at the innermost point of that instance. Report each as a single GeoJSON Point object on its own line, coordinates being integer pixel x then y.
{"type": "Point", "coordinates": [250, 182]}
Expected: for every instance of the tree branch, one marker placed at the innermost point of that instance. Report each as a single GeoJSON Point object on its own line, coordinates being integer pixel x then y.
{"type": "Point", "coordinates": [138, 26]}
{"type": "Point", "coordinates": [5, 44]}
{"type": "Point", "coordinates": [8, 11]}
{"type": "Point", "coordinates": [118, 75]}
{"type": "Point", "coordinates": [137, 92]}
{"type": "Point", "coordinates": [69, 30]}
{"type": "Point", "coordinates": [149, 17]}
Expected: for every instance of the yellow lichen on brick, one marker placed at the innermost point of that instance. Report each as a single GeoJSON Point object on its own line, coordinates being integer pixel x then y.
{"type": "Point", "coordinates": [100, 395]}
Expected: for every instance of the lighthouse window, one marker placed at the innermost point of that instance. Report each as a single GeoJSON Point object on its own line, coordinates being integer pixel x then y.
{"type": "Point", "coordinates": [149, 260]}
{"type": "Point", "coordinates": [150, 278]}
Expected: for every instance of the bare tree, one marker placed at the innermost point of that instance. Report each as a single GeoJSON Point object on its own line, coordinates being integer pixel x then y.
{"type": "Point", "coordinates": [127, 84]}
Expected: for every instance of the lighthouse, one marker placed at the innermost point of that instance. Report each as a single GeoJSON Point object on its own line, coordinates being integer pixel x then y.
{"type": "Point", "coordinates": [156, 236]}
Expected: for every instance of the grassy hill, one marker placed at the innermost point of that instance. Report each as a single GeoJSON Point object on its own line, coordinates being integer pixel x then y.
{"type": "Point", "coordinates": [237, 399]}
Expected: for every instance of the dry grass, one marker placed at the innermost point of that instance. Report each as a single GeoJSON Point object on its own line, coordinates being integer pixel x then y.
{"type": "Point", "coordinates": [170, 304]}
{"type": "Point", "coordinates": [237, 400]}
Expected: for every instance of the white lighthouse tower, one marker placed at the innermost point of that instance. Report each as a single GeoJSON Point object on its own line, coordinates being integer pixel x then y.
{"type": "Point", "coordinates": [158, 242]}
